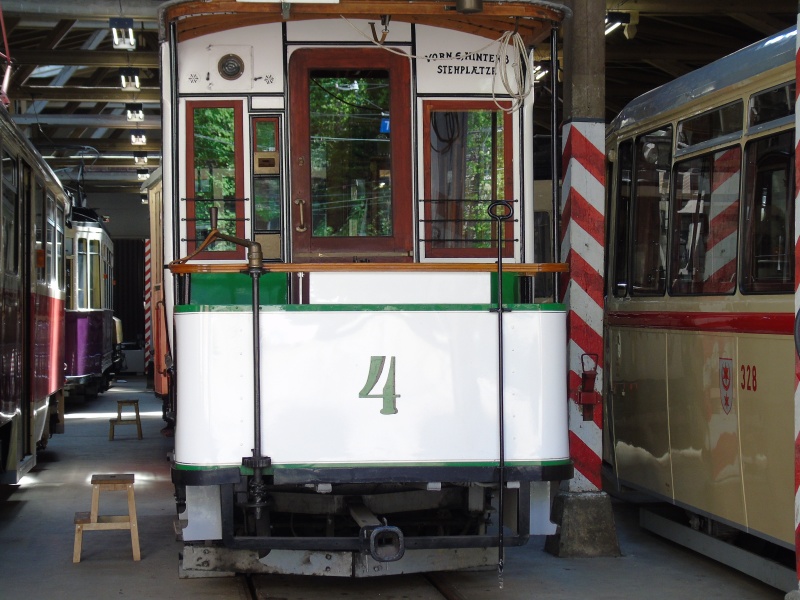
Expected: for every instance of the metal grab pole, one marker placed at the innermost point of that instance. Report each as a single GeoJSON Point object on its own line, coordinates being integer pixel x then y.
{"type": "Point", "coordinates": [500, 211]}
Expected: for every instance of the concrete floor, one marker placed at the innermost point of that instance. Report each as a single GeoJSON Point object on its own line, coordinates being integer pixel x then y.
{"type": "Point", "coordinates": [37, 532]}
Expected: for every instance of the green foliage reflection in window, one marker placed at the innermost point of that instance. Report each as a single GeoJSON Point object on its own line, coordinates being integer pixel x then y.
{"type": "Point", "coordinates": [350, 154]}
{"type": "Point", "coordinates": [215, 172]}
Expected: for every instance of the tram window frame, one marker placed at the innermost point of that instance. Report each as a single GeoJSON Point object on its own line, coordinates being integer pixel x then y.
{"type": "Point", "coordinates": [50, 241]}
{"type": "Point", "coordinates": [39, 229]}
{"type": "Point", "coordinates": [765, 156]}
{"type": "Point", "coordinates": [60, 262]}
{"type": "Point", "coordinates": [267, 185]}
{"type": "Point", "coordinates": [771, 104]}
{"type": "Point", "coordinates": [624, 193]}
{"type": "Point", "coordinates": [11, 213]}
{"type": "Point", "coordinates": [649, 230]}
{"type": "Point", "coordinates": [501, 180]}
{"type": "Point", "coordinates": [194, 236]}
{"type": "Point", "coordinates": [702, 210]}
{"type": "Point", "coordinates": [82, 276]}
{"type": "Point", "coordinates": [711, 126]}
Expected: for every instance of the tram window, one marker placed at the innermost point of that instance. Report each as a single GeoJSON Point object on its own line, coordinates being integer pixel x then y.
{"type": "Point", "coordinates": [705, 224]}
{"type": "Point", "coordinates": [39, 224]}
{"type": "Point", "coordinates": [95, 274]}
{"type": "Point", "coordinates": [650, 213]}
{"type": "Point", "coordinates": [710, 125]}
{"type": "Point", "coordinates": [50, 234]}
{"type": "Point", "coordinates": [768, 259]}
{"type": "Point", "coordinates": [351, 182]}
{"type": "Point", "coordinates": [215, 173]}
{"type": "Point", "coordinates": [60, 246]}
{"type": "Point", "coordinates": [82, 275]}
{"type": "Point", "coordinates": [468, 165]}
{"type": "Point", "coordinates": [266, 175]}
{"type": "Point", "coordinates": [10, 214]}
{"type": "Point", "coordinates": [621, 218]}
{"type": "Point", "coordinates": [772, 104]}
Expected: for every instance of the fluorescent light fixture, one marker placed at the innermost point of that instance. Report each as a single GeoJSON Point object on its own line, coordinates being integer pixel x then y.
{"type": "Point", "coordinates": [142, 174]}
{"type": "Point", "coordinates": [615, 20]}
{"type": "Point", "coordinates": [145, 199]}
{"type": "Point", "coordinates": [135, 112]}
{"type": "Point", "coordinates": [129, 78]}
{"type": "Point", "coordinates": [122, 32]}
{"type": "Point", "coordinates": [140, 158]}
{"type": "Point", "coordinates": [138, 138]}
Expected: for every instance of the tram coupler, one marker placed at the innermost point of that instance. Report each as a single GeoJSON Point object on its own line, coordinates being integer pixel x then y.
{"type": "Point", "coordinates": [384, 543]}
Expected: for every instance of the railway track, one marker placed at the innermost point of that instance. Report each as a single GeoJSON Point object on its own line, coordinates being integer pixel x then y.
{"type": "Point", "coordinates": [431, 586]}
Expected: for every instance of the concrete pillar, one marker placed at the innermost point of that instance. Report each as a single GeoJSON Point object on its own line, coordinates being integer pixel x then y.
{"type": "Point", "coordinates": [583, 511]}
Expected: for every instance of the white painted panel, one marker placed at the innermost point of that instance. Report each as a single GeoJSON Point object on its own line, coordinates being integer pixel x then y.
{"type": "Point", "coordinates": [400, 288]}
{"type": "Point", "coordinates": [345, 30]}
{"type": "Point", "coordinates": [261, 48]}
{"type": "Point", "coordinates": [315, 363]}
{"type": "Point", "coordinates": [451, 62]}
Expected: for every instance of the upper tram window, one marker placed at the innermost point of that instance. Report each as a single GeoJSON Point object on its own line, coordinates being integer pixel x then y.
{"type": "Point", "coordinates": [267, 185]}
{"type": "Point", "coordinates": [772, 104]}
{"type": "Point", "coordinates": [10, 215]}
{"type": "Point", "coordinates": [468, 165]}
{"type": "Point", "coordinates": [82, 274]}
{"type": "Point", "coordinates": [650, 211]}
{"type": "Point", "coordinates": [768, 262]}
{"type": "Point", "coordinates": [39, 200]}
{"type": "Point", "coordinates": [215, 173]}
{"type": "Point", "coordinates": [622, 218]}
{"type": "Point", "coordinates": [50, 241]}
{"type": "Point", "coordinates": [705, 223]}
{"type": "Point", "coordinates": [710, 125]}
{"type": "Point", "coordinates": [351, 183]}
{"type": "Point", "coordinates": [95, 275]}
{"type": "Point", "coordinates": [60, 246]}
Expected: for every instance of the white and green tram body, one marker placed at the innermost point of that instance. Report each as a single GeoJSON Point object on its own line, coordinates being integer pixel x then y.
{"type": "Point", "coordinates": [386, 417]}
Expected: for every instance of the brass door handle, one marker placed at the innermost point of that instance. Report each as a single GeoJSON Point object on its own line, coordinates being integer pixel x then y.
{"type": "Point", "coordinates": [302, 226]}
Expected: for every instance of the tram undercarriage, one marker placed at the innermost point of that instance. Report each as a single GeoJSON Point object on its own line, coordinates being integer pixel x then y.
{"type": "Point", "coordinates": [348, 529]}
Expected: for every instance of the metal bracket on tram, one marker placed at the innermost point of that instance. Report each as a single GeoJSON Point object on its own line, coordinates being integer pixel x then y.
{"type": "Point", "coordinates": [383, 542]}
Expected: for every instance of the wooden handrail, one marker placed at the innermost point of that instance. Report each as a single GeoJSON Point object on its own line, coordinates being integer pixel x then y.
{"type": "Point", "coordinates": [526, 268]}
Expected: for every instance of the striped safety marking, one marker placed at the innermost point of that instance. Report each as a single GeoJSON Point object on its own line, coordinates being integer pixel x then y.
{"type": "Point", "coordinates": [148, 341]}
{"type": "Point", "coordinates": [582, 239]}
{"type": "Point", "coordinates": [796, 308]}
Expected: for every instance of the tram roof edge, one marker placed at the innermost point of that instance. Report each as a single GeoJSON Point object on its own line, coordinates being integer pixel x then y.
{"type": "Point", "coordinates": [533, 19]}
{"type": "Point", "coordinates": [757, 58]}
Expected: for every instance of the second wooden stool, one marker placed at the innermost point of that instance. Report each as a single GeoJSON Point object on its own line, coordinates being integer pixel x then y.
{"type": "Point", "coordinates": [119, 420]}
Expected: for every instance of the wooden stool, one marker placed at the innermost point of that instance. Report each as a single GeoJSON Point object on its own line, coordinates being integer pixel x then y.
{"type": "Point", "coordinates": [92, 521]}
{"type": "Point", "coordinates": [112, 423]}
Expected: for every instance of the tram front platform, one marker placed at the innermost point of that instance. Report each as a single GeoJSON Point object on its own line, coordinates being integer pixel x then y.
{"type": "Point", "coordinates": [37, 533]}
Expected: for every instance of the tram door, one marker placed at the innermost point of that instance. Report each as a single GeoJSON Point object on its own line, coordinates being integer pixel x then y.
{"type": "Point", "coordinates": [350, 135]}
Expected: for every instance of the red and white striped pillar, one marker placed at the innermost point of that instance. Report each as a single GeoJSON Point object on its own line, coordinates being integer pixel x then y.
{"type": "Point", "coordinates": [582, 247]}
{"type": "Point", "coordinates": [148, 330]}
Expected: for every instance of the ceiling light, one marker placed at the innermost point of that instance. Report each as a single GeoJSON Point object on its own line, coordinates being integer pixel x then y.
{"type": "Point", "coordinates": [138, 138]}
{"type": "Point", "coordinates": [615, 20]}
{"type": "Point", "coordinates": [129, 78]}
{"type": "Point", "coordinates": [142, 174]}
{"type": "Point", "coordinates": [145, 199]}
{"type": "Point", "coordinates": [122, 31]}
{"type": "Point", "coordinates": [140, 158]}
{"type": "Point", "coordinates": [135, 112]}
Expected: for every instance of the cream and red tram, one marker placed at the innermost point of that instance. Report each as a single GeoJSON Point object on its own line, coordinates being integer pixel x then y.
{"type": "Point", "coordinates": [699, 360]}
{"type": "Point", "coordinates": [362, 172]}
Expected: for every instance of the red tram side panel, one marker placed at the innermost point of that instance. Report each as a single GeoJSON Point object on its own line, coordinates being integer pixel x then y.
{"type": "Point", "coordinates": [32, 292]}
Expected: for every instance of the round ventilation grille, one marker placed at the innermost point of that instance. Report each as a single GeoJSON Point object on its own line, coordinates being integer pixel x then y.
{"type": "Point", "coordinates": [230, 66]}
